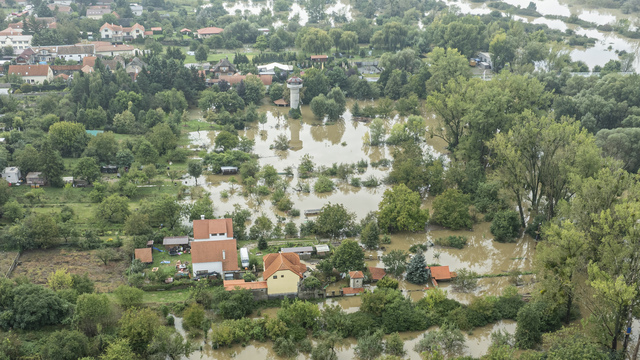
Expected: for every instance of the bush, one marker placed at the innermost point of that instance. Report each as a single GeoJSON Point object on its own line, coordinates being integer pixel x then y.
{"type": "Point", "coordinates": [128, 297]}
{"type": "Point", "coordinates": [453, 241]}
{"type": "Point", "coordinates": [506, 226]}
{"type": "Point", "coordinates": [451, 209]}
{"type": "Point", "coordinates": [371, 181]}
{"type": "Point", "coordinates": [294, 212]}
{"type": "Point", "coordinates": [323, 184]}
{"type": "Point", "coordinates": [466, 280]}
{"type": "Point", "coordinates": [193, 317]}
{"type": "Point", "coordinates": [416, 248]}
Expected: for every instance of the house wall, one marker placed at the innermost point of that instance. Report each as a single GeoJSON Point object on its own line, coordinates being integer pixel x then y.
{"type": "Point", "coordinates": [355, 283]}
{"type": "Point", "coordinates": [76, 57]}
{"type": "Point", "coordinates": [286, 282]}
{"type": "Point", "coordinates": [12, 177]}
{"type": "Point", "coordinates": [209, 267]}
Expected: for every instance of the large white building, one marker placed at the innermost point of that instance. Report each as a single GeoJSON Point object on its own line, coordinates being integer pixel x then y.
{"type": "Point", "coordinates": [15, 39]}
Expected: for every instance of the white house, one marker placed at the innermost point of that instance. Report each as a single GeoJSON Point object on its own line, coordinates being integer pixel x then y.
{"type": "Point", "coordinates": [120, 33]}
{"type": "Point", "coordinates": [75, 52]}
{"type": "Point", "coordinates": [136, 9]}
{"type": "Point", "coordinates": [15, 39]}
{"type": "Point", "coordinates": [212, 230]}
{"type": "Point", "coordinates": [11, 174]}
{"type": "Point", "coordinates": [214, 257]}
{"type": "Point", "coordinates": [113, 50]}
{"type": "Point", "coordinates": [32, 74]}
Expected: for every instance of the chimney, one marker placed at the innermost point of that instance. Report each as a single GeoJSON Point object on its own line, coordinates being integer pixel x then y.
{"type": "Point", "coordinates": [201, 217]}
{"type": "Point", "coordinates": [224, 257]}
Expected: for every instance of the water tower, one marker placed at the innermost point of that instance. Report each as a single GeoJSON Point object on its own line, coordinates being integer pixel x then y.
{"type": "Point", "coordinates": [294, 84]}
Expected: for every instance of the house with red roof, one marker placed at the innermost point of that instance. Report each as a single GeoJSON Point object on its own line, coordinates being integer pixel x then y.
{"type": "Point", "coordinates": [212, 229]}
{"type": "Point", "coordinates": [209, 31]}
{"type": "Point", "coordinates": [32, 74]}
{"type": "Point", "coordinates": [283, 273]}
{"type": "Point", "coordinates": [214, 258]}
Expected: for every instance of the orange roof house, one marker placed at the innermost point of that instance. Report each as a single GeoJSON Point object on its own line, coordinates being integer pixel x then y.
{"type": "Point", "coordinates": [209, 31]}
{"type": "Point", "coordinates": [212, 229]}
{"type": "Point", "coordinates": [209, 257]}
{"type": "Point", "coordinates": [32, 74]}
{"type": "Point", "coordinates": [441, 273]}
{"type": "Point", "coordinates": [283, 273]}
{"type": "Point", "coordinates": [377, 273]}
{"type": "Point", "coordinates": [144, 255]}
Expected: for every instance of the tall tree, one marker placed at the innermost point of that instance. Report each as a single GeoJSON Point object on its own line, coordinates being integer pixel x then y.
{"type": "Point", "coordinates": [539, 156]}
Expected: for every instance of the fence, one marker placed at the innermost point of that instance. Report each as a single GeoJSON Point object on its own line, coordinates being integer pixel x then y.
{"type": "Point", "coordinates": [13, 265]}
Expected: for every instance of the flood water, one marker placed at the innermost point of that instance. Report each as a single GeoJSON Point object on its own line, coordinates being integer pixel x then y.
{"type": "Point", "coordinates": [476, 344]}
{"type": "Point", "coordinates": [342, 142]}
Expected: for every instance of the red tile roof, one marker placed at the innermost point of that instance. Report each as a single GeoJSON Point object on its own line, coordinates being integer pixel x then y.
{"type": "Point", "coordinates": [319, 57]}
{"type": "Point", "coordinates": [185, 30]}
{"type": "Point", "coordinates": [89, 61]}
{"type": "Point", "coordinates": [280, 261]}
{"type": "Point", "coordinates": [29, 70]}
{"type": "Point", "coordinates": [440, 272]}
{"type": "Point", "coordinates": [230, 285]}
{"type": "Point", "coordinates": [377, 273]}
{"type": "Point", "coordinates": [144, 255]}
{"type": "Point", "coordinates": [211, 251]}
{"type": "Point", "coordinates": [203, 228]}
{"type": "Point", "coordinates": [351, 291]}
{"type": "Point", "coordinates": [356, 275]}
{"type": "Point", "coordinates": [266, 79]}
{"type": "Point", "coordinates": [210, 31]}
{"type": "Point", "coordinates": [281, 102]}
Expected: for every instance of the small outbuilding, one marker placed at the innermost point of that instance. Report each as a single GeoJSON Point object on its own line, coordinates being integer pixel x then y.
{"type": "Point", "coordinates": [171, 241]}
{"type": "Point", "coordinates": [109, 169]}
{"type": "Point", "coordinates": [11, 174]}
{"type": "Point", "coordinates": [304, 252]}
{"type": "Point", "coordinates": [35, 178]}
{"type": "Point", "coordinates": [322, 250]}
{"type": "Point", "coordinates": [356, 278]}
{"type": "Point", "coordinates": [319, 58]}
{"type": "Point", "coordinates": [145, 255]}
{"type": "Point", "coordinates": [228, 170]}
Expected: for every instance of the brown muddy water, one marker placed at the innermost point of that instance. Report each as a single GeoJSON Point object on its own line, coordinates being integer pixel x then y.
{"type": "Point", "coordinates": [339, 142]}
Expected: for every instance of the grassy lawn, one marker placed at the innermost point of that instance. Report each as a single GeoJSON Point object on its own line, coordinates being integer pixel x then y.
{"type": "Point", "coordinates": [161, 297]}
{"type": "Point", "coordinates": [159, 257]}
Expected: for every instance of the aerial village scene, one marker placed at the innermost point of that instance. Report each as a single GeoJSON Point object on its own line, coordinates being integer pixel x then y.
{"type": "Point", "coordinates": [319, 179]}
